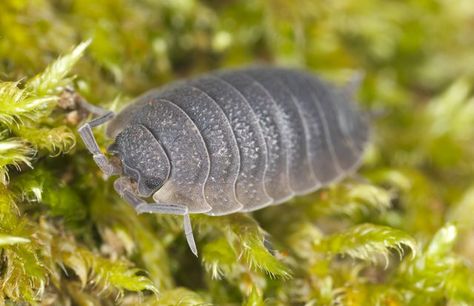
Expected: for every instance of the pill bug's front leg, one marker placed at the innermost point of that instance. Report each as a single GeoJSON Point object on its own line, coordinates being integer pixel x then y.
{"type": "Point", "coordinates": [124, 189]}
{"type": "Point", "coordinates": [85, 131]}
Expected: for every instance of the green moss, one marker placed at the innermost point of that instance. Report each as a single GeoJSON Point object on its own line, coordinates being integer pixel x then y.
{"type": "Point", "coordinates": [66, 237]}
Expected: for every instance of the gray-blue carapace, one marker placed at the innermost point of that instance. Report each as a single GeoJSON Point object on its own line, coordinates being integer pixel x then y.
{"type": "Point", "coordinates": [230, 141]}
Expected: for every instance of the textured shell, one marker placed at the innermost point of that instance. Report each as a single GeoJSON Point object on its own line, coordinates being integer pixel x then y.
{"type": "Point", "coordinates": [240, 140]}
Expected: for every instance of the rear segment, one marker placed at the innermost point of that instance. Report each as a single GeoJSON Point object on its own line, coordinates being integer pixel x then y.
{"type": "Point", "coordinates": [338, 145]}
{"type": "Point", "coordinates": [353, 124]}
{"type": "Point", "coordinates": [320, 150]}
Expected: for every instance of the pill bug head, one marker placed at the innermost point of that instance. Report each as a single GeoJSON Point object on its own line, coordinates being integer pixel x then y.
{"type": "Point", "coordinates": [142, 158]}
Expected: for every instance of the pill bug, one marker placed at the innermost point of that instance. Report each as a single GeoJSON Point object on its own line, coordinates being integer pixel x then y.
{"type": "Point", "coordinates": [230, 141]}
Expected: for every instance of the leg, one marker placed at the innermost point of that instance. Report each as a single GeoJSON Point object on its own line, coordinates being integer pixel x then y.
{"type": "Point", "coordinates": [85, 131]}
{"type": "Point", "coordinates": [91, 108]}
{"type": "Point", "coordinates": [122, 186]}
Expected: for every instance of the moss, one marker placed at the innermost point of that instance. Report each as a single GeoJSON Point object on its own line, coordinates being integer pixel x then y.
{"type": "Point", "coordinates": [398, 233]}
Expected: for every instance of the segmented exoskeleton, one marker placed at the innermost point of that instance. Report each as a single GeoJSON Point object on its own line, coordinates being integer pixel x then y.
{"type": "Point", "coordinates": [231, 141]}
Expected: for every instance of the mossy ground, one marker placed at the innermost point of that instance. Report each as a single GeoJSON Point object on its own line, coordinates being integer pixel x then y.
{"type": "Point", "coordinates": [401, 232]}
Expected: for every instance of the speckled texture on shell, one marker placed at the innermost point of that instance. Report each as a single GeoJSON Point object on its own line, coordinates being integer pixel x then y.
{"type": "Point", "coordinates": [240, 140]}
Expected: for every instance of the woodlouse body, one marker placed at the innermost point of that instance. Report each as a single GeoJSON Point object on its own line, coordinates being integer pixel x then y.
{"type": "Point", "coordinates": [238, 140]}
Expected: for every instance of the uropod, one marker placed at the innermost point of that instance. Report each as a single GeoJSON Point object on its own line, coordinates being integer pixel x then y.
{"type": "Point", "coordinates": [230, 141]}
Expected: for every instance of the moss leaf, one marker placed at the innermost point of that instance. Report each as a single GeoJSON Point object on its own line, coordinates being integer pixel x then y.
{"type": "Point", "coordinates": [11, 240]}
{"type": "Point", "coordinates": [366, 242]}
{"type": "Point", "coordinates": [54, 76]}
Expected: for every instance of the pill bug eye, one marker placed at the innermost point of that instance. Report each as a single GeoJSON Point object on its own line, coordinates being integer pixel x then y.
{"type": "Point", "coordinates": [153, 183]}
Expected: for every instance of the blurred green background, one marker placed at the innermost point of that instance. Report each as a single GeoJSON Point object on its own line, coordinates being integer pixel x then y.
{"type": "Point", "coordinates": [401, 232]}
